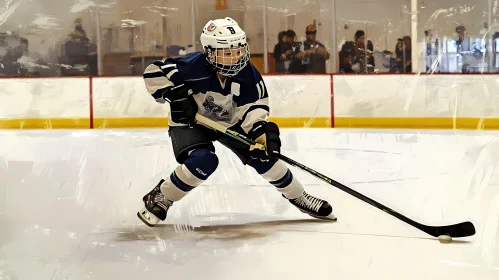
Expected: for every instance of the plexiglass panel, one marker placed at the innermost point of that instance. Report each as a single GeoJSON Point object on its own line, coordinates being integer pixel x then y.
{"type": "Point", "coordinates": [299, 37]}
{"type": "Point", "coordinates": [48, 38]}
{"type": "Point", "coordinates": [79, 37]}
{"type": "Point", "coordinates": [456, 35]}
{"type": "Point", "coordinates": [369, 36]}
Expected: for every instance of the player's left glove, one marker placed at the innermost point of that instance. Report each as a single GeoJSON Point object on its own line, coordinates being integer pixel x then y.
{"type": "Point", "coordinates": [266, 134]}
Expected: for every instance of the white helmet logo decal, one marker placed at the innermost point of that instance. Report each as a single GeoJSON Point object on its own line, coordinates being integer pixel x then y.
{"type": "Point", "coordinates": [211, 27]}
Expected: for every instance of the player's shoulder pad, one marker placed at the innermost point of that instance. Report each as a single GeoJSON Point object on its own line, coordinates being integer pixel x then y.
{"type": "Point", "coordinates": [180, 70]}
{"type": "Point", "coordinates": [192, 66]}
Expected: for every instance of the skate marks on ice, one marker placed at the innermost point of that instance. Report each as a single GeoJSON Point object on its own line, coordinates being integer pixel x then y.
{"type": "Point", "coordinates": [132, 248]}
{"type": "Point", "coordinates": [220, 232]}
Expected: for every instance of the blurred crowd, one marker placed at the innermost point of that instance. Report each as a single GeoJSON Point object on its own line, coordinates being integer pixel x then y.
{"type": "Point", "coordinates": [356, 56]}
{"type": "Point", "coordinates": [78, 55]}
{"type": "Point", "coordinates": [295, 57]}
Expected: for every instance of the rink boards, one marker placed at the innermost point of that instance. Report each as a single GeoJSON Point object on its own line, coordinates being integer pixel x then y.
{"type": "Point", "coordinates": [369, 101]}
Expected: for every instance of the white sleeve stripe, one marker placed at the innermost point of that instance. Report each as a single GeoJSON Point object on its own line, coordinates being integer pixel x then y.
{"type": "Point", "coordinates": [153, 84]}
{"type": "Point", "coordinates": [168, 65]}
{"type": "Point", "coordinates": [240, 111]}
{"type": "Point", "coordinates": [254, 116]}
{"type": "Point", "coordinates": [152, 69]}
{"type": "Point", "coordinates": [263, 89]}
{"type": "Point", "coordinates": [148, 74]}
{"type": "Point", "coordinates": [171, 73]}
{"type": "Point", "coordinates": [259, 88]}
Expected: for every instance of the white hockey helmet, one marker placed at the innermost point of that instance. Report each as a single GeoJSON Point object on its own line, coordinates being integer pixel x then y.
{"type": "Point", "coordinates": [225, 46]}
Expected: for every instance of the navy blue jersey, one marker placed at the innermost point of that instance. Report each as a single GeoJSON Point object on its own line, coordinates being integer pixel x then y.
{"type": "Point", "coordinates": [238, 102]}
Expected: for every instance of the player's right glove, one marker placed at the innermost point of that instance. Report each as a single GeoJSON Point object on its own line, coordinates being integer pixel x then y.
{"type": "Point", "coordinates": [266, 134]}
{"type": "Point", "coordinates": [183, 107]}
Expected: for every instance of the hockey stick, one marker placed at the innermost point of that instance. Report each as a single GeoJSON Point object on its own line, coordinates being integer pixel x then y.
{"type": "Point", "coordinates": [457, 230]}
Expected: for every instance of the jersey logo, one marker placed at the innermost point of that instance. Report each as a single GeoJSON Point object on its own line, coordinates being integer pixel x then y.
{"type": "Point", "coordinates": [210, 106]}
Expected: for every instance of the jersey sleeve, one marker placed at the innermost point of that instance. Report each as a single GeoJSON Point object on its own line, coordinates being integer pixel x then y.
{"type": "Point", "coordinates": [253, 106]}
{"type": "Point", "coordinates": [161, 75]}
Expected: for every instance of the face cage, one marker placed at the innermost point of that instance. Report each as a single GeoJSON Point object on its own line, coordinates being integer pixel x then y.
{"type": "Point", "coordinates": [229, 70]}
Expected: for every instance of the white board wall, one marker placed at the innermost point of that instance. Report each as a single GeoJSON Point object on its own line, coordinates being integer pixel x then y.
{"type": "Point", "coordinates": [44, 98]}
{"type": "Point", "coordinates": [416, 96]}
{"type": "Point", "coordinates": [290, 96]}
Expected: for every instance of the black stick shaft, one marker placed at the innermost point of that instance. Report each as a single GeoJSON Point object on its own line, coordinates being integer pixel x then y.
{"type": "Point", "coordinates": [456, 230]}
{"type": "Point", "coordinates": [326, 179]}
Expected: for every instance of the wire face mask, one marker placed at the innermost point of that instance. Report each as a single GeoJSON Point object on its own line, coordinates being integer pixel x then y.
{"type": "Point", "coordinates": [228, 61]}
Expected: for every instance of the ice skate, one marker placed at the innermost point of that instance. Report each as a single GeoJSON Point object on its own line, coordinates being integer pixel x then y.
{"type": "Point", "coordinates": [155, 207]}
{"type": "Point", "coordinates": [314, 207]}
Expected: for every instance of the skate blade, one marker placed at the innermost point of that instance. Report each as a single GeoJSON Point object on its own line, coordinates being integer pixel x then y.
{"type": "Point", "coordinates": [147, 217]}
{"type": "Point", "coordinates": [329, 217]}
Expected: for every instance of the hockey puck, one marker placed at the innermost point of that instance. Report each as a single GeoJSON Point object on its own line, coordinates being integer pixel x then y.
{"type": "Point", "coordinates": [445, 239]}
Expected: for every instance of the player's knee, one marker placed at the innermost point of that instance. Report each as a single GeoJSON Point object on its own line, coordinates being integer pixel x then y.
{"type": "Point", "coordinates": [202, 163]}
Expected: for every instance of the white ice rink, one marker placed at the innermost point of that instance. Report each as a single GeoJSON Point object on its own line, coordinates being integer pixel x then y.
{"type": "Point", "coordinates": [68, 203]}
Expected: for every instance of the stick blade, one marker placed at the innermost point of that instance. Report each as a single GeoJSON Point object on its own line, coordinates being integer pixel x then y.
{"type": "Point", "coordinates": [457, 230]}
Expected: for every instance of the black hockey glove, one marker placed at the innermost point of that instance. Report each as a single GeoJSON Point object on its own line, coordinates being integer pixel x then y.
{"type": "Point", "coordinates": [183, 107]}
{"type": "Point", "coordinates": [266, 134]}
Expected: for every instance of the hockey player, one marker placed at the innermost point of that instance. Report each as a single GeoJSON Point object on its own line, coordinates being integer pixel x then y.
{"type": "Point", "coordinates": [219, 83]}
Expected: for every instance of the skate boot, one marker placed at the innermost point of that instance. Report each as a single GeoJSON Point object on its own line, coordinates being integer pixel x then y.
{"type": "Point", "coordinates": [314, 206]}
{"type": "Point", "coordinates": [155, 207]}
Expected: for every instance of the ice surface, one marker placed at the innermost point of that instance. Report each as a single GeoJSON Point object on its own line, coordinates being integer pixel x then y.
{"type": "Point", "coordinates": [68, 203]}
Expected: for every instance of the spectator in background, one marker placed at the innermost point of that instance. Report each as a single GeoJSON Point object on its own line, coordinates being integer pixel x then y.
{"type": "Point", "coordinates": [370, 56]}
{"type": "Point", "coordinates": [12, 48]}
{"type": "Point", "coordinates": [468, 53]}
{"type": "Point", "coordinates": [463, 48]}
{"type": "Point", "coordinates": [407, 54]}
{"type": "Point", "coordinates": [461, 36]}
{"type": "Point", "coordinates": [355, 56]}
{"type": "Point", "coordinates": [397, 65]}
{"type": "Point", "coordinates": [284, 51]}
{"type": "Point", "coordinates": [365, 58]}
{"type": "Point", "coordinates": [279, 52]}
{"type": "Point", "coordinates": [347, 56]}
{"type": "Point", "coordinates": [402, 60]}
{"type": "Point", "coordinates": [312, 54]}
{"type": "Point", "coordinates": [432, 51]}
{"type": "Point", "coordinates": [80, 55]}
{"type": "Point", "coordinates": [494, 49]}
